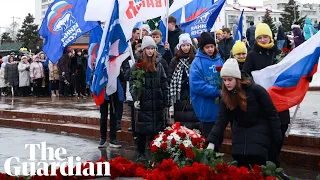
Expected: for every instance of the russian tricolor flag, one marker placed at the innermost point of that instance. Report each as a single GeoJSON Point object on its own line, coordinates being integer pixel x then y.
{"type": "Point", "coordinates": [286, 82]}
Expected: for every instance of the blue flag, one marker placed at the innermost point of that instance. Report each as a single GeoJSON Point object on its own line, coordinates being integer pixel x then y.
{"type": "Point", "coordinates": [204, 22]}
{"type": "Point", "coordinates": [108, 65]}
{"type": "Point", "coordinates": [62, 25]}
{"type": "Point", "coordinates": [94, 44]}
{"type": "Point", "coordinates": [191, 11]}
{"type": "Point", "coordinates": [238, 35]}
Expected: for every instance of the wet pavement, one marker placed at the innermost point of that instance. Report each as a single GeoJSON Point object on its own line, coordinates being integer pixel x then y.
{"type": "Point", "coordinates": [13, 141]}
{"type": "Point", "coordinates": [306, 123]}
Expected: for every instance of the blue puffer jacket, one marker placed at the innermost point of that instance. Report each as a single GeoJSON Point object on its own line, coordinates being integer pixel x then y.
{"type": "Point", "coordinates": [308, 29]}
{"type": "Point", "coordinates": [204, 80]}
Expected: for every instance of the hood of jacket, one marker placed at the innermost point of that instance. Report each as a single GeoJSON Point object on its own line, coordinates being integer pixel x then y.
{"type": "Point", "coordinates": [200, 54]}
{"type": "Point", "coordinates": [295, 26]}
{"type": "Point", "coordinates": [308, 21]}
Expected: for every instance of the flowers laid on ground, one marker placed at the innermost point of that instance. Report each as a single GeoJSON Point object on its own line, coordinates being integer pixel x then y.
{"type": "Point", "coordinates": [138, 83]}
{"type": "Point", "coordinates": [283, 54]}
{"type": "Point", "coordinates": [176, 142]}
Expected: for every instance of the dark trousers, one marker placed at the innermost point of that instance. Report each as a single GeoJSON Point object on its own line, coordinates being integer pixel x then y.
{"type": "Point", "coordinates": [249, 160]}
{"type": "Point", "coordinates": [206, 128]}
{"type": "Point", "coordinates": [274, 150]}
{"type": "Point", "coordinates": [25, 91]}
{"type": "Point", "coordinates": [119, 112]}
{"type": "Point", "coordinates": [80, 85]}
{"type": "Point", "coordinates": [54, 85]}
{"type": "Point", "coordinates": [114, 104]}
{"type": "Point", "coordinates": [37, 83]}
{"type": "Point", "coordinates": [133, 121]}
{"type": "Point", "coordinates": [141, 142]}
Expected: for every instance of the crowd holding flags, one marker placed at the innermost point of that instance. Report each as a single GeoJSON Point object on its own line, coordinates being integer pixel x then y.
{"type": "Point", "coordinates": [66, 20]}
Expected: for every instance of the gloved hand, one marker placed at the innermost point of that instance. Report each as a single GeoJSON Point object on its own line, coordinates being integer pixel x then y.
{"type": "Point", "coordinates": [210, 146]}
{"type": "Point", "coordinates": [137, 104]}
{"type": "Point", "coordinates": [309, 78]}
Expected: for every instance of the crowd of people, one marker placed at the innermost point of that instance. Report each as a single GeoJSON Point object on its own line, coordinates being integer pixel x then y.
{"type": "Point", "coordinates": [26, 74]}
{"type": "Point", "coordinates": [208, 82]}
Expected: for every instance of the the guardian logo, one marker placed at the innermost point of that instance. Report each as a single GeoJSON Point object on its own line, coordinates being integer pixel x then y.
{"type": "Point", "coordinates": [50, 159]}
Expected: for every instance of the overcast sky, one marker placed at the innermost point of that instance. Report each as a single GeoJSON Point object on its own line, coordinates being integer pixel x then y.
{"type": "Point", "coordinates": [20, 8]}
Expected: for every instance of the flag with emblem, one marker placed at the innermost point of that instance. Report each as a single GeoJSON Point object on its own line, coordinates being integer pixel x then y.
{"type": "Point", "coordinates": [94, 44]}
{"type": "Point", "coordinates": [114, 50]}
{"type": "Point", "coordinates": [62, 25]}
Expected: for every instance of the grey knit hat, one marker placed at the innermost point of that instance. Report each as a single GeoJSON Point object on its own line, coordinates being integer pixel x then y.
{"type": "Point", "coordinates": [148, 41]}
{"type": "Point", "coordinates": [231, 68]}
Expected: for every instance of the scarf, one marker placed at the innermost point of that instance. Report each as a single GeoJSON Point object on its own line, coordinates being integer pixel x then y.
{"type": "Point", "coordinates": [267, 46]}
{"type": "Point", "coordinates": [175, 85]}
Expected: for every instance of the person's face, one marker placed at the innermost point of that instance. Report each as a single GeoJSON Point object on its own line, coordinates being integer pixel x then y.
{"type": "Point", "coordinates": [219, 37]}
{"type": "Point", "coordinates": [263, 39]}
{"type": "Point", "coordinates": [229, 82]}
{"type": "Point", "coordinates": [209, 49]}
{"type": "Point", "coordinates": [136, 35]}
{"type": "Point", "coordinates": [150, 51]}
{"type": "Point", "coordinates": [185, 48]}
{"type": "Point", "coordinates": [70, 54]}
{"type": "Point", "coordinates": [11, 59]}
{"type": "Point", "coordinates": [157, 38]}
{"type": "Point", "coordinates": [79, 53]}
{"type": "Point", "coordinates": [138, 49]}
{"type": "Point", "coordinates": [25, 60]}
{"type": "Point", "coordinates": [145, 33]}
{"type": "Point", "coordinates": [240, 56]}
{"type": "Point", "coordinates": [226, 35]}
{"type": "Point", "coordinates": [171, 26]}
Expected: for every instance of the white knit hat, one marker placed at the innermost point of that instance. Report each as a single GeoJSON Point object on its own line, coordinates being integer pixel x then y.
{"type": "Point", "coordinates": [184, 39]}
{"type": "Point", "coordinates": [148, 41]}
{"type": "Point", "coordinates": [231, 68]}
{"type": "Point", "coordinates": [145, 27]}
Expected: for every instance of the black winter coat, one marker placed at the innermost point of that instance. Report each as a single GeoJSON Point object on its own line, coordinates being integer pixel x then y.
{"type": "Point", "coordinates": [11, 74]}
{"type": "Point", "coordinates": [226, 45]}
{"type": "Point", "coordinates": [259, 58]}
{"type": "Point", "coordinates": [173, 39]}
{"type": "Point", "coordinates": [183, 110]}
{"type": "Point", "coordinates": [252, 131]}
{"type": "Point", "coordinates": [153, 101]}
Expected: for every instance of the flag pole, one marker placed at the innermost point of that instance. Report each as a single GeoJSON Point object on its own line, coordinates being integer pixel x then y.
{"type": "Point", "coordinates": [293, 119]}
{"type": "Point", "coordinates": [167, 21]}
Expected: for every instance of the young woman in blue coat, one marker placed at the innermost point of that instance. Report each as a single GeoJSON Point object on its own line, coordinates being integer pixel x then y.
{"type": "Point", "coordinates": [205, 82]}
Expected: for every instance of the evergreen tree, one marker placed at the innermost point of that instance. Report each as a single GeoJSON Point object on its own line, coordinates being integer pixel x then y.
{"type": "Point", "coordinates": [268, 20]}
{"type": "Point", "coordinates": [5, 38]}
{"type": "Point", "coordinates": [290, 12]}
{"type": "Point", "coordinates": [28, 34]}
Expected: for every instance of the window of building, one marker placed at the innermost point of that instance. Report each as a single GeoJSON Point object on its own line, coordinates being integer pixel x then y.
{"type": "Point", "coordinates": [232, 19]}
{"type": "Point", "coordinates": [249, 19]}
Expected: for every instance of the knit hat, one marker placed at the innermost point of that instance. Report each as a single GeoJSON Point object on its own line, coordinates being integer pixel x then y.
{"type": "Point", "coordinates": [24, 57]}
{"type": "Point", "coordinates": [231, 68]}
{"type": "Point", "coordinates": [145, 27]}
{"type": "Point", "coordinates": [219, 32]}
{"type": "Point", "coordinates": [263, 29]}
{"type": "Point", "coordinates": [184, 39]}
{"type": "Point", "coordinates": [206, 38]}
{"type": "Point", "coordinates": [148, 41]}
{"type": "Point", "coordinates": [239, 47]}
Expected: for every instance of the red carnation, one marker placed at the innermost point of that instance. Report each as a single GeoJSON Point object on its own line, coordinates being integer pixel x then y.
{"type": "Point", "coordinates": [285, 50]}
{"type": "Point", "coordinates": [257, 169]}
{"type": "Point", "coordinates": [173, 142]}
{"type": "Point", "coordinates": [190, 153]}
{"type": "Point", "coordinates": [218, 68]}
{"type": "Point", "coordinates": [164, 146]}
{"type": "Point", "coordinates": [154, 148]}
{"type": "Point", "coordinates": [21, 178]}
{"type": "Point", "coordinates": [164, 138]}
{"type": "Point", "coordinates": [141, 64]}
{"type": "Point", "coordinates": [271, 178]}
{"type": "Point", "coordinates": [182, 147]}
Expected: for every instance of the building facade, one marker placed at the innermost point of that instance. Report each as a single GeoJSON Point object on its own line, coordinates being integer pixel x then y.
{"type": "Point", "coordinates": [41, 9]}
{"type": "Point", "coordinates": [312, 11]}
{"type": "Point", "coordinates": [251, 13]}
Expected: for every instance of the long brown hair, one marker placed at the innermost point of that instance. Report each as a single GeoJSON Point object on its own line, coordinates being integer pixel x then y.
{"type": "Point", "coordinates": [180, 54]}
{"type": "Point", "coordinates": [236, 97]}
{"type": "Point", "coordinates": [149, 62]}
